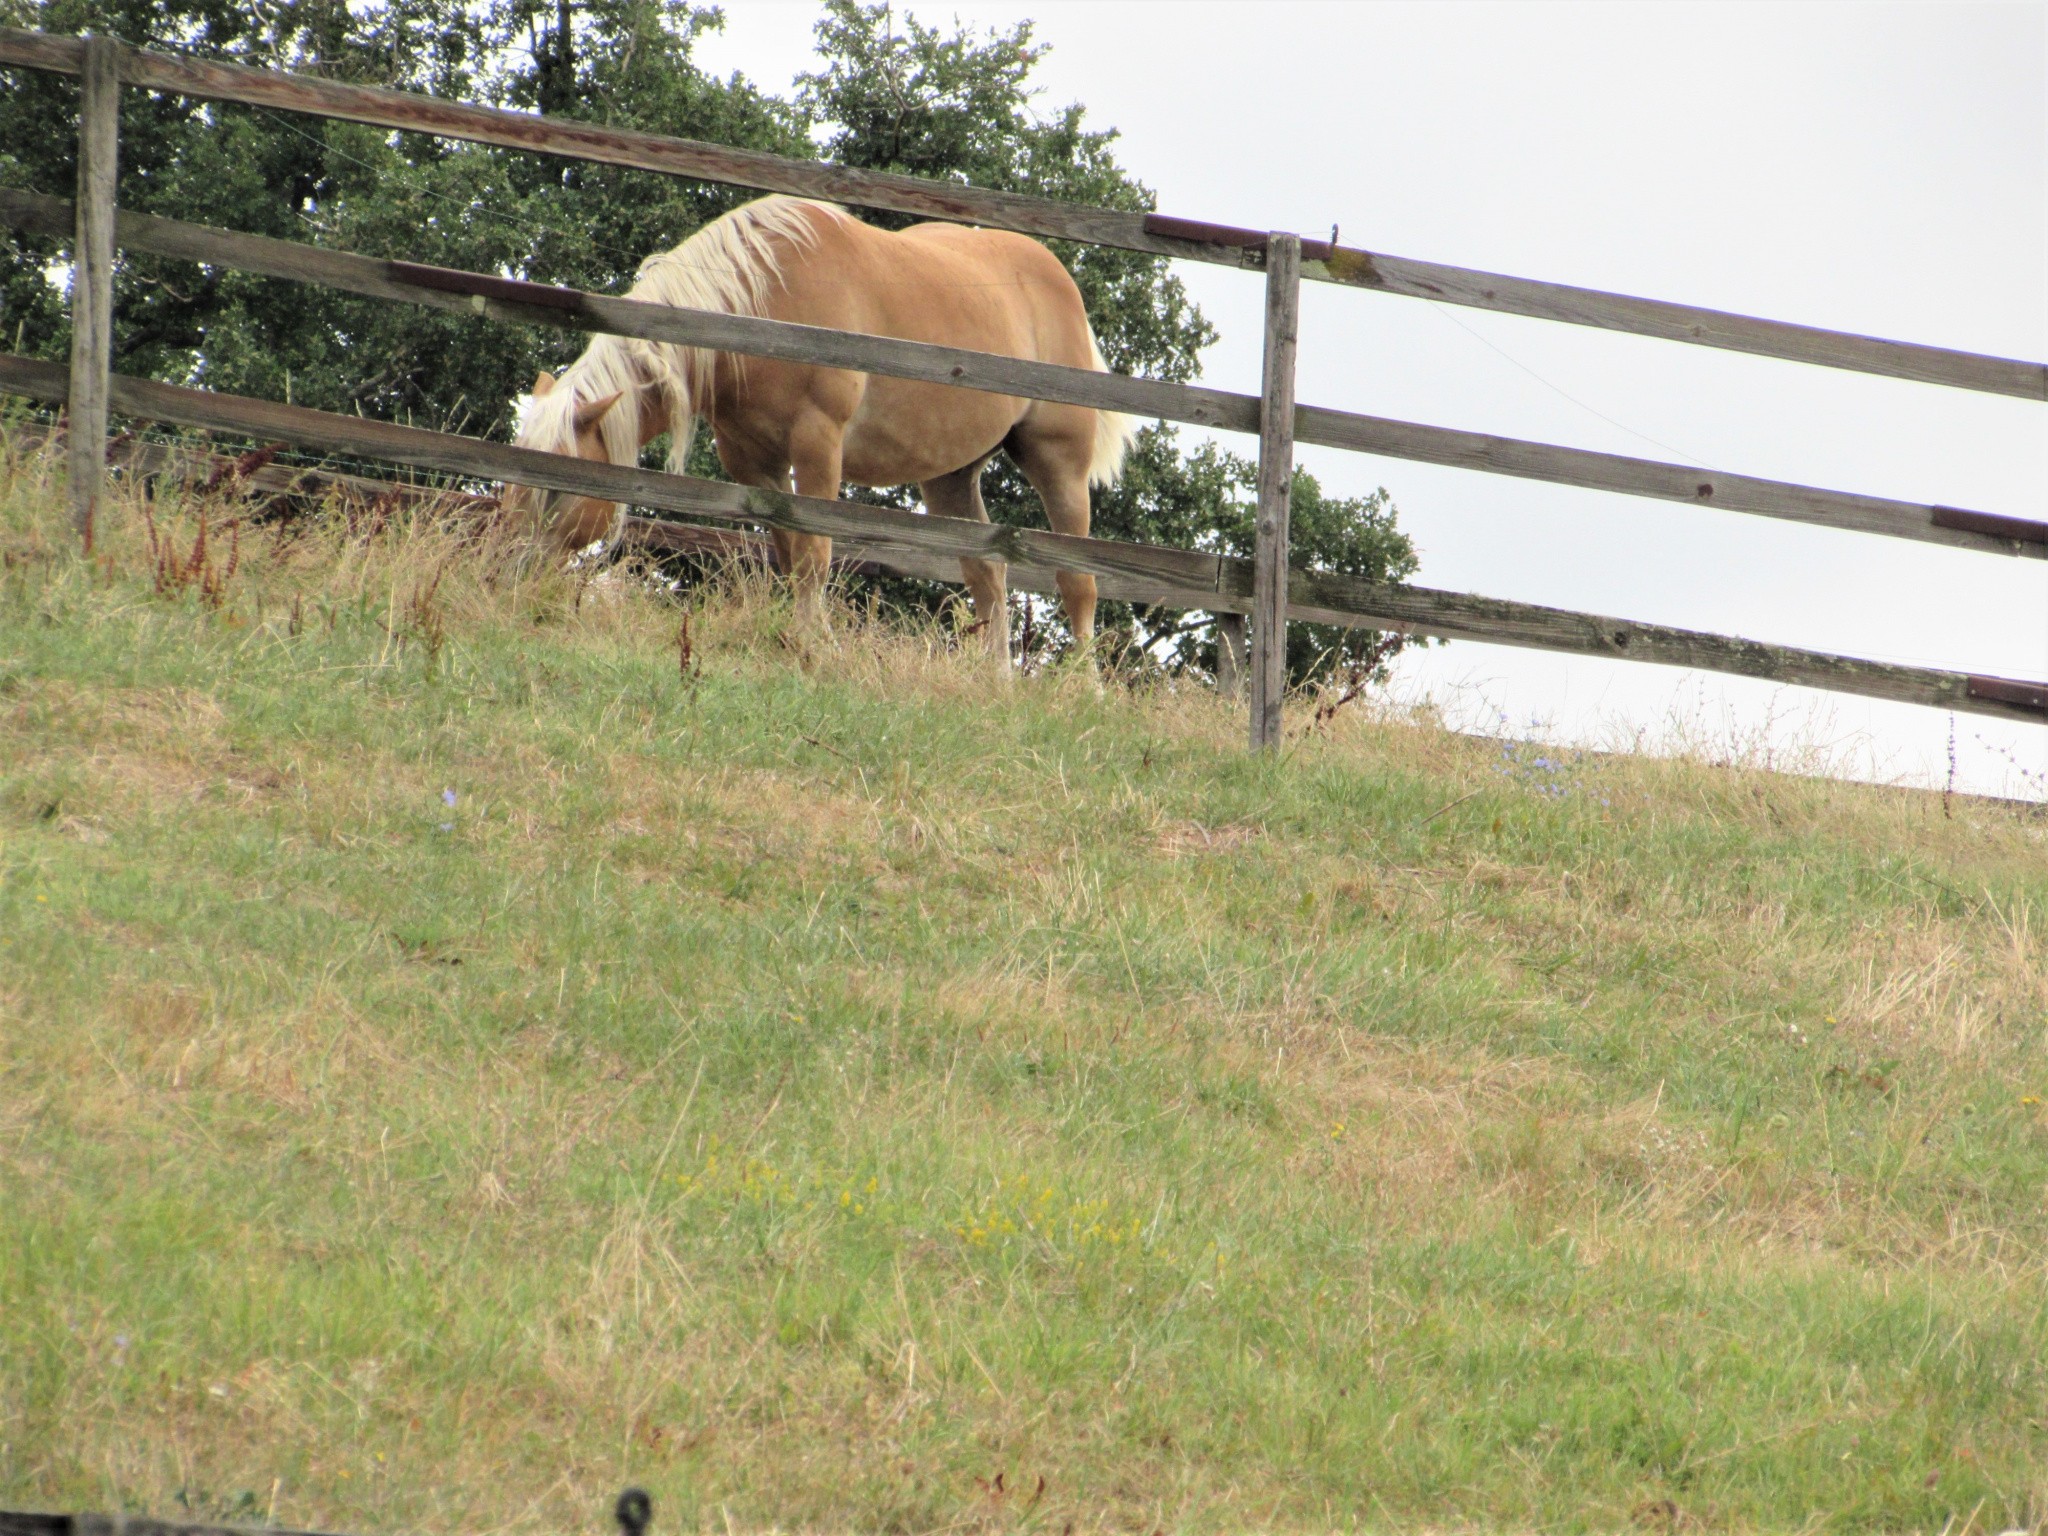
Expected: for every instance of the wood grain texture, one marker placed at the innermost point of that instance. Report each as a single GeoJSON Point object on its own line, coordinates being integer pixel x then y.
{"type": "Point", "coordinates": [1176, 578]}
{"type": "Point", "coordinates": [478, 293]}
{"type": "Point", "coordinates": [137, 456]}
{"type": "Point", "coordinates": [860, 557]}
{"type": "Point", "coordinates": [92, 281]}
{"type": "Point", "coordinates": [1231, 659]}
{"type": "Point", "coordinates": [1848, 510]}
{"type": "Point", "coordinates": [613, 146]}
{"type": "Point", "coordinates": [1162, 570]}
{"type": "Point", "coordinates": [571, 309]}
{"type": "Point", "coordinates": [1157, 234]}
{"type": "Point", "coordinates": [1683, 322]}
{"type": "Point", "coordinates": [1276, 480]}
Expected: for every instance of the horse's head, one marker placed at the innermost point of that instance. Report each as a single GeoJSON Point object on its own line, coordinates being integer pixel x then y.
{"type": "Point", "coordinates": [553, 420]}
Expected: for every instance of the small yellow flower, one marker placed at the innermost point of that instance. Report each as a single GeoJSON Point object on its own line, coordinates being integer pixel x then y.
{"type": "Point", "coordinates": [2030, 1098]}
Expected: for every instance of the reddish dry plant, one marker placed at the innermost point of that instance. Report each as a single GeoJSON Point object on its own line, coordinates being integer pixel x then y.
{"type": "Point", "coordinates": [374, 518]}
{"type": "Point", "coordinates": [424, 620]}
{"type": "Point", "coordinates": [686, 654]}
{"type": "Point", "coordinates": [230, 475]}
{"type": "Point", "coordinates": [196, 571]}
{"type": "Point", "coordinates": [1359, 679]}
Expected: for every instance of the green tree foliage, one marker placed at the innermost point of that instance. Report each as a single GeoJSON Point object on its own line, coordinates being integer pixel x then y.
{"type": "Point", "coordinates": [888, 93]}
{"type": "Point", "coordinates": [359, 188]}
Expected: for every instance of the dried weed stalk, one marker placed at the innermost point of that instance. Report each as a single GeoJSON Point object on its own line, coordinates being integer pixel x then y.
{"type": "Point", "coordinates": [195, 571]}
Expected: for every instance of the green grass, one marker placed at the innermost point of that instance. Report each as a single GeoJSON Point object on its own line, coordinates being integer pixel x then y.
{"type": "Point", "coordinates": [840, 1093]}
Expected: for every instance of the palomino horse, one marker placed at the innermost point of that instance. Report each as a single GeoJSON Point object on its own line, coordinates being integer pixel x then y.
{"type": "Point", "coordinates": [786, 258]}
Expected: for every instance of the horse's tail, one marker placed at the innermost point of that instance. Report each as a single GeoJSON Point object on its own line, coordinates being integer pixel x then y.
{"type": "Point", "coordinates": [1113, 432]}
{"type": "Point", "coordinates": [729, 266]}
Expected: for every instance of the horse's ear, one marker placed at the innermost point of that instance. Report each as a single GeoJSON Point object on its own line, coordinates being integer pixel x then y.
{"type": "Point", "coordinates": [588, 416]}
{"type": "Point", "coordinates": [542, 383]}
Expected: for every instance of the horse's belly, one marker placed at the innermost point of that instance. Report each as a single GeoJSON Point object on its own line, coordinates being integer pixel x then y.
{"type": "Point", "coordinates": [902, 432]}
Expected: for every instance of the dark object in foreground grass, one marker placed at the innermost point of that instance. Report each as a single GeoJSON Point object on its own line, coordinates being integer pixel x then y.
{"type": "Point", "coordinates": [14, 1522]}
{"type": "Point", "coordinates": [634, 1512]}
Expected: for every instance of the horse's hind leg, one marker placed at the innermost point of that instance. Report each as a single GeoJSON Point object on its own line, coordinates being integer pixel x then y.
{"type": "Point", "coordinates": [1056, 464]}
{"type": "Point", "coordinates": [959, 495]}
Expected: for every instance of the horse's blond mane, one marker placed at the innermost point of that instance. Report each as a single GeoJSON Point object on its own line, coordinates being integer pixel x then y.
{"type": "Point", "coordinates": [729, 266]}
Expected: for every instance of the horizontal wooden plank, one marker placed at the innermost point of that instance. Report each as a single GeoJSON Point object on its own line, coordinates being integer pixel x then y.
{"type": "Point", "coordinates": [1157, 234]}
{"type": "Point", "coordinates": [1323, 597]}
{"type": "Point", "coordinates": [1988, 533]}
{"type": "Point", "coordinates": [1689, 323]}
{"type": "Point", "coordinates": [143, 456]}
{"type": "Point", "coordinates": [694, 158]}
{"type": "Point", "coordinates": [858, 557]}
{"type": "Point", "coordinates": [508, 299]}
{"type": "Point", "coordinates": [1184, 578]}
{"type": "Point", "coordinates": [1181, 570]}
{"type": "Point", "coordinates": [539, 304]}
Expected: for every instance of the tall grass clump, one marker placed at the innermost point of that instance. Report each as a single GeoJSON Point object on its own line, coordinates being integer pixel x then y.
{"type": "Point", "coordinates": [469, 1041]}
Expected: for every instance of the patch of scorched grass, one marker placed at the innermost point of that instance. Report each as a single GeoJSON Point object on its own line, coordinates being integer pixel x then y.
{"type": "Point", "coordinates": [454, 1061]}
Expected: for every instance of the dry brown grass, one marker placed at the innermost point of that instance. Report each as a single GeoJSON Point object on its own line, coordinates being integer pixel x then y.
{"type": "Point", "coordinates": [1502, 1160]}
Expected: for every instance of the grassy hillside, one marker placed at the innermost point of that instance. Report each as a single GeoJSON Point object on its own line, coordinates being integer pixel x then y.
{"type": "Point", "coordinates": [454, 1060]}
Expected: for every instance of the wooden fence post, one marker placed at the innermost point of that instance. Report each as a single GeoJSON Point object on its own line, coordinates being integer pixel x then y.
{"type": "Point", "coordinates": [1230, 637]}
{"type": "Point", "coordinates": [1276, 479]}
{"type": "Point", "coordinates": [92, 277]}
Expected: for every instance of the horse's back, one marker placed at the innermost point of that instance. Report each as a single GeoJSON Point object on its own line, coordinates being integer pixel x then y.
{"type": "Point", "coordinates": [944, 284]}
{"type": "Point", "coordinates": [982, 289]}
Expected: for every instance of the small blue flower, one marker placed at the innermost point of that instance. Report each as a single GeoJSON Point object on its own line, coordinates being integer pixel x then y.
{"type": "Point", "coordinates": [448, 797]}
{"type": "Point", "coordinates": [447, 826]}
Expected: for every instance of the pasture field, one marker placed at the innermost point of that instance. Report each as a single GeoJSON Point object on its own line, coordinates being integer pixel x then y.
{"type": "Point", "coordinates": [456, 1060]}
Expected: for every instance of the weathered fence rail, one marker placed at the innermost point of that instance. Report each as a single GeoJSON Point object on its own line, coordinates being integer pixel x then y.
{"type": "Point", "coordinates": [572, 309]}
{"type": "Point", "coordinates": [1158, 234]}
{"type": "Point", "coordinates": [1267, 587]}
{"type": "Point", "coordinates": [913, 543]}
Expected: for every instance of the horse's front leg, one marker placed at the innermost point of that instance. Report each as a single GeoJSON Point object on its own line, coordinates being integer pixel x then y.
{"type": "Point", "coordinates": [959, 495]}
{"type": "Point", "coordinates": [816, 443]}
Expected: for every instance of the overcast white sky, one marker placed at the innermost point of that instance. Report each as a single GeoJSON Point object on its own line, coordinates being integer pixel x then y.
{"type": "Point", "coordinates": [1881, 169]}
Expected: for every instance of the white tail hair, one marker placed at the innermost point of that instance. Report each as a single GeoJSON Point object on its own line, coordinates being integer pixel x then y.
{"type": "Point", "coordinates": [1114, 432]}
{"type": "Point", "coordinates": [727, 266]}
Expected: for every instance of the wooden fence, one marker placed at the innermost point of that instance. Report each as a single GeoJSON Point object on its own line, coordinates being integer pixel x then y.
{"type": "Point", "coordinates": [1267, 588]}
